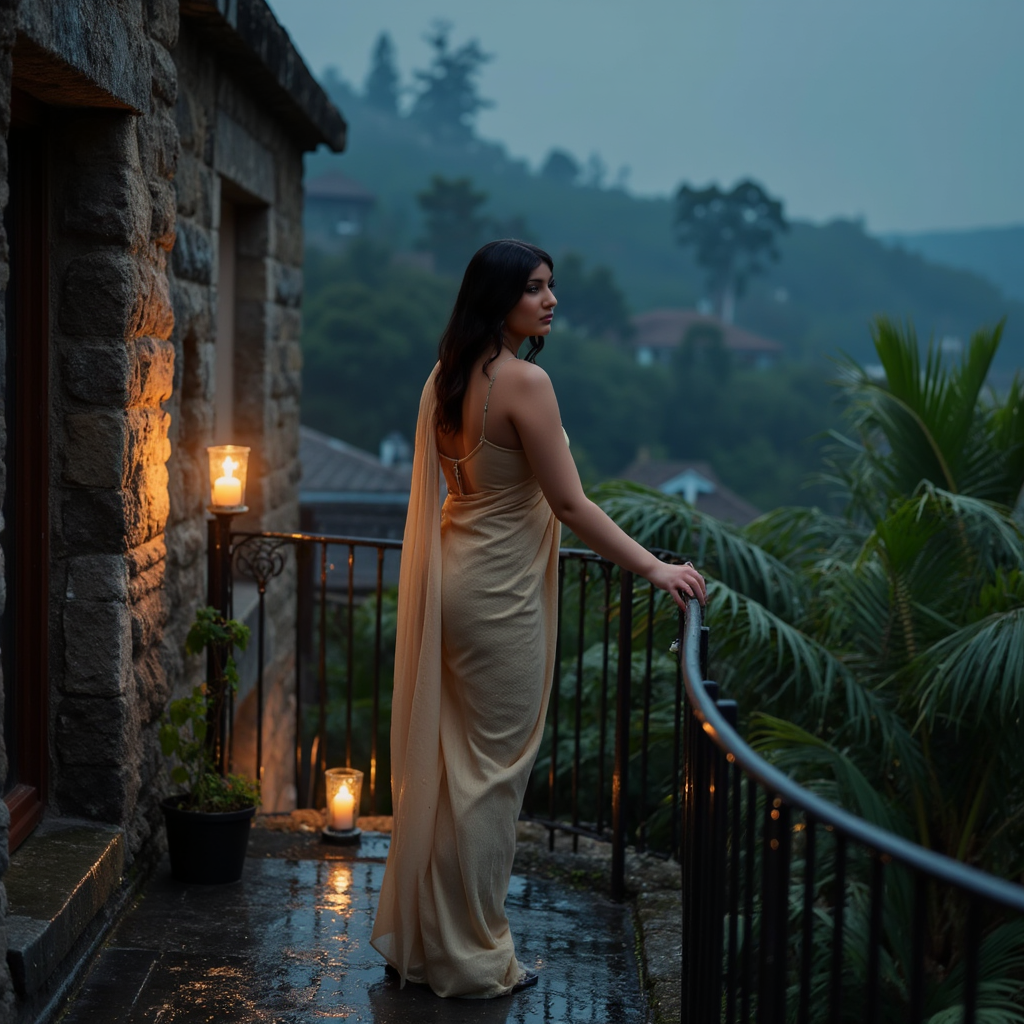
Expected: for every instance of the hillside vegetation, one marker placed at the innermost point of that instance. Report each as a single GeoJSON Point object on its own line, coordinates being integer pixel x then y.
{"type": "Point", "coordinates": [818, 300]}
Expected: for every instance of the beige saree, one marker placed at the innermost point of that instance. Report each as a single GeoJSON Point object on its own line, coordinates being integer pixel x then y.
{"type": "Point", "coordinates": [473, 668]}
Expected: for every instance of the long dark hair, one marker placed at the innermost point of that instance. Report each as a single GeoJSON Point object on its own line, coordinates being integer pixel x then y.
{"type": "Point", "coordinates": [493, 284]}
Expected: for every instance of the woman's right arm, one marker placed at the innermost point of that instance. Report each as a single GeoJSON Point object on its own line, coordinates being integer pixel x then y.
{"type": "Point", "coordinates": [534, 413]}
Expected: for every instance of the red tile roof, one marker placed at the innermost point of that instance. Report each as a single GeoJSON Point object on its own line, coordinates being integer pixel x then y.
{"type": "Point", "coordinates": [666, 328]}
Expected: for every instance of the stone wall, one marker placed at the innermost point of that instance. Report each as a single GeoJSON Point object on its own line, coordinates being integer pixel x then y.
{"type": "Point", "coordinates": [147, 131]}
{"type": "Point", "coordinates": [231, 149]}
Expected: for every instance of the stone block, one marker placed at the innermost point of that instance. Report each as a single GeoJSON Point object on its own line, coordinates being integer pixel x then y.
{"type": "Point", "coordinates": [93, 521]}
{"type": "Point", "coordinates": [153, 381]}
{"type": "Point", "coordinates": [148, 618]}
{"type": "Point", "coordinates": [109, 202]}
{"type": "Point", "coordinates": [189, 188]}
{"type": "Point", "coordinates": [94, 578]}
{"type": "Point", "coordinates": [94, 455]}
{"type": "Point", "coordinates": [97, 648]}
{"type": "Point", "coordinates": [158, 142]}
{"type": "Point", "coordinates": [98, 52]}
{"type": "Point", "coordinates": [287, 284]}
{"type": "Point", "coordinates": [147, 503]}
{"type": "Point", "coordinates": [243, 159]}
{"type": "Point", "coordinates": [192, 256]}
{"type": "Point", "coordinates": [100, 374]}
{"type": "Point", "coordinates": [93, 731]}
{"type": "Point", "coordinates": [155, 312]}
{"type": "Point", "coordinates": [165, 74]}
{"type": "Point", "coordinates": [142, 559]}
{"type": "Point", "coordinates": [152, 683]}
{"type": "Point", "coordinates": [288, 240]}
{"type": "Point", "coordinates": [59, 881]}
{"type": "Point", "coordinates": [162, 20]}
{"type": "Point", "coordinates": [163, 222]}
{"type": "Point", "coordinates": [98, 138]}
{"type": "Point", "coordinates": [99, 792]}
{"type": "Point", "coordinates": [147, 442]}
{"type": "Point", "coordinates": [188, 117]}
{"type": "Point", "coordinates": [100, 295]}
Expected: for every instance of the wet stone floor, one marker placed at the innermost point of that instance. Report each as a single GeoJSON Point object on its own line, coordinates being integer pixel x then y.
{"type": "Point", "coordinates": [290, 944]}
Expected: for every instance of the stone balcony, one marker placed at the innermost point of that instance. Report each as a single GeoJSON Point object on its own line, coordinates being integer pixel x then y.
{"type": "Point", "coordinates": [290, 942]}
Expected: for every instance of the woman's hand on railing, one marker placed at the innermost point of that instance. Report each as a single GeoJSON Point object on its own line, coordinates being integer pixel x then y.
{"type": "Point", "coordinates": [681, 581]}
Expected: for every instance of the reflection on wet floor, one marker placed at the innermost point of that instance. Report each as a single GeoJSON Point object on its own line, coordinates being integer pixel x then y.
{"type": "Point", "coordinates": [289, 944]}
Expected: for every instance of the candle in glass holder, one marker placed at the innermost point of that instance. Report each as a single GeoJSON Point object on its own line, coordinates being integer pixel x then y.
{"type": "Point", "coordinates": [341, 813]}
{"type": "Point", "coordinates": [227, 489]}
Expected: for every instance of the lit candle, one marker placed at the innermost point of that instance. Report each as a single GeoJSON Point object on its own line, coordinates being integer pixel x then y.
{"type": "Point", "coordinates": [227, 490]}
{"type": "Point", "coordinates": [342, 810]}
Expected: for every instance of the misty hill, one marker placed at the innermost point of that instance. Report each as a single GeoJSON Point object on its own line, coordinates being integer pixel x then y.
{"type": "Point", "coordinates": [818, 300]}
{"type": "Point", "coordinates": [995, 253]}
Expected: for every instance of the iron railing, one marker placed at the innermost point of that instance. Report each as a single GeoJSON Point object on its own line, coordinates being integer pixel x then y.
{"type": "Point", "coordinates": [796, 910]}
{"type": "Point", "coordinates": [610, 761]}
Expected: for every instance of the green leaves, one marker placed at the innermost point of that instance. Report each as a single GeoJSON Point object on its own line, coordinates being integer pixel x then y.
{"type": "Point", "coordinates": [184, 731]}
{"type": "Point", "coordinates": [928, 421]}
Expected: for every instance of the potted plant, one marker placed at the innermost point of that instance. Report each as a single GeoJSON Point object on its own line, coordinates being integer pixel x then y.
{"type": "Point", "coordinates": [208, 823]}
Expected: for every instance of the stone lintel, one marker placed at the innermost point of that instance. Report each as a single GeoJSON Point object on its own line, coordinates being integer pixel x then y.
{"type": "Point", "coordinates": [58, 881]}
{"type": "Point", "coordinates": [80, 53]}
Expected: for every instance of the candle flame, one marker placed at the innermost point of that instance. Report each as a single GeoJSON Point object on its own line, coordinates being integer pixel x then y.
{"type": "Point", "coordinates": [229, 466]}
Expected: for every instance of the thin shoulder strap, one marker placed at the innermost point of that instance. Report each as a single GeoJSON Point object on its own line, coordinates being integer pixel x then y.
{"type": "Point", "coordinates": [487, 400]}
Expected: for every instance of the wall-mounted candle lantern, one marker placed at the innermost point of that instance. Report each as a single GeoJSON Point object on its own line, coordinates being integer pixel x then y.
{"type": "Point", "coordinates": [229, 464]}
{"type": "Point", "coordinates": [344, 787]}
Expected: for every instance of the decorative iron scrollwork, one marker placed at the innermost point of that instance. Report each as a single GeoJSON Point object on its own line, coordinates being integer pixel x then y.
{"type": "Point", "coordinates": [260, 559]}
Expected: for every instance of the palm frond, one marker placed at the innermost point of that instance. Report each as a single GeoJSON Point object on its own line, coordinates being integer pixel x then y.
{"type": "Point", "coordinates": [660, 520]}
{"type": "Point", "coordinates": [804, 755]}
{"type": "Point", "coordinates": [801, 536]}
{"type": "Point", "coordinates": [976, 672]}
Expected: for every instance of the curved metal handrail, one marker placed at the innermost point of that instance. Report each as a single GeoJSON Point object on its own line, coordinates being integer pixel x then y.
{"type": "Point", "coordinates": [722, 733]}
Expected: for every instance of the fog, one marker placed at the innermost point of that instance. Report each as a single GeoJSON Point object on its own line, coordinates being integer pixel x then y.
{"type": "Point", "coordinates": [908, 115]}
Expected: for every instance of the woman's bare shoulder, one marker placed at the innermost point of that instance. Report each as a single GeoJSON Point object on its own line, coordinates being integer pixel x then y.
{"type": "Point", "coordinates": [527, 375]}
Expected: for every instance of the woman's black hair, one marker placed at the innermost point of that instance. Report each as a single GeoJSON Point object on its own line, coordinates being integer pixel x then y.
{"type": "Point", "coordinates": [493, 284]}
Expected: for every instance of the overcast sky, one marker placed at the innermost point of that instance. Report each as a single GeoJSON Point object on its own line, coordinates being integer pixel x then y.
{"type": "Point", "coordinates": [909, 113]}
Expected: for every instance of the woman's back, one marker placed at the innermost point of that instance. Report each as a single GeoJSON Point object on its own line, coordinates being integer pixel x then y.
{"type": "Point", "coordinates": [485, 465]}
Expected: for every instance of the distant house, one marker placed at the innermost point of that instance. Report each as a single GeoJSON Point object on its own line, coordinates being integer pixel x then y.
{"type": "Point", "coordinates": [348, 492]}
{"type": "Point", "coordinates": [659, 332]}
{"type": "Point", "coordinates": [696, 483]}
{"type": "Point", "coordinates": [336, 209]}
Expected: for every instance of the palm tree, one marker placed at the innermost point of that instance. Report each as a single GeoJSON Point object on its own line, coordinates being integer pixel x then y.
{"type": "Point", "coordinates": [878, 655]}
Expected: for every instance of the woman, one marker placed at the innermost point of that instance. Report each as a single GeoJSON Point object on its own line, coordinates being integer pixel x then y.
{"type": "Point", "coordinates": [476, 626]}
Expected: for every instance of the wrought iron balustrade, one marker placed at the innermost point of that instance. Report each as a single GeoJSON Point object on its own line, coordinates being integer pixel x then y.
{"type": "Point", "coordinates": [795, 909]}
{"type": "Point", "coordinates": [609, 764]}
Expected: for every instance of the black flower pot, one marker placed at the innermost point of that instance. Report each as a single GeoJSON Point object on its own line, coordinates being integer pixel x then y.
{"type": "Point", "coordinates": [206, 848]}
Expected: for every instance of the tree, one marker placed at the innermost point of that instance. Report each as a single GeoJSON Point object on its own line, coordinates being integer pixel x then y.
{"type": "Point", "coordinates": [453, 226]}
{"type": "Point", "coordinates": [381, 89]}
{"type": "Point", "coordinates": [590, 301]}
{"type": "Point", "coordinates": [878, 655]}
{"type": "Point", "coordinates": [369, 337]}
{"type": "Point", "coordinates": [731, 233]}
{"type": "Point", "coordinates": [448, 100]}
{"type": "Point", "coordinates": [561, 167]}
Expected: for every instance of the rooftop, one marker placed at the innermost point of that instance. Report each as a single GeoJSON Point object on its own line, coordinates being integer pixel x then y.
{"type": "Point", "coordinates": [666, 328]}
{"type": "Point", "coordinates": [332, 467]}
{"type": "Point", "coordinates": [697, 483]}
